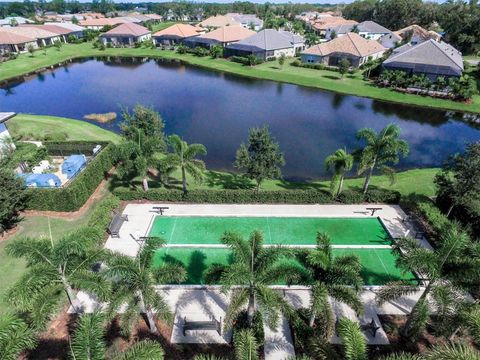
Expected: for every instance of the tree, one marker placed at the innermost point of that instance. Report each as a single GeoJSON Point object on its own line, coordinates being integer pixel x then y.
{"type": "Point", "coordinates": [15, 337]}
{"type": "Point", "coordinates": [252, 60]}
{"type": "Point", "coordinates": [253, 270]}
{"type": "Point", "coordinates": [134, 284]}
{"type": "Point", "coordinates": [449, 351]}
{"type": "Point", "coordinates": [12, 198]}
{"type": "Point", "coordinates": [311, 38]}
{"type": "Point", "coordinates": [452, 265]}
{"type": "Point", "coordinates": [58, 44]}
{"type": "Point", "coordinates": [146, 120]}
{"type": "Point", "coordinates": [184, 157]}
{"type": "Point", "coordinates": [353, 341]}
{"type": "Point", "coordinates": [335, 277]}
{"type": "Point", "coordinates": [216, 51]}
{"type": "Point", "coordinates": [55, 269]}
{"type": "Point", "coordinates": [31, 50]}
{"type": "Point", "coordinates": [333, 34]}
{"type": "Point", "coordinates": [281, 60]}
{"type": "Point", "coordinates": [380, 149]}
{"type": "Point", "coordinates": [341, 162]}
{"type": "Point", "coordinates": [343, 66]}
{"type": "Point", "coordinates": [260, 158]}
{"type": "Point", "coordinates": [464, 87]}
{"type": "Point", "coordinates": [246, 345]}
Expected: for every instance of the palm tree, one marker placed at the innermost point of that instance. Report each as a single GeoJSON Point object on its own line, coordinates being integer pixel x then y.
{"type": "Point", "coordinates": [246, 345]}
{"type": "Point", "coordinates": [450, 351]}
{"type": "Point", "coordinates": [183, 156]}
{"type": "Point", "coordinates": [253, 270]}
{"type": "Point", "coordinates": [354, 343]}
{"type": "Point", "coordinates": [88, 342]}
{"type": "Point", "coordinates": [134, 285]}
{"type": "Point", "coordinates": [337, 277]}
{"type": "Point", "coordinates": [380, 149]}
{"type": "Point", "coordinates": [452, 264]}
{"type": "Point", "coordinates": [15, 337]}
{"type": "Point", "coordinates": [341, 162]}
{"type": "Point", "coordinates": [54, 269]}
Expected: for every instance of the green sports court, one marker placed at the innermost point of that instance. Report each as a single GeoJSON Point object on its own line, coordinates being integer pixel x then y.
{"type": "Point", "coordinates": [276, 230]}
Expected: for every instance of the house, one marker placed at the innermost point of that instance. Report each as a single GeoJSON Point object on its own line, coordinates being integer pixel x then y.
{"type": "Point", "coordinates": [218, 21]}
{"type": "Point", "coordinates": [74, 30]}
{"type": "Point", "coordinates": [154, 17]}
{"type": "Point", "coordinates": [126, 35]}
{"type": "Point", "coordinates": [5, 139]}
{"type": "Point", "coordinates": [390, 40]}
{"type": "Point", "coordinates": [42, 37]}
{"type": "Point", "coordinates": [415, 34]}
{"type": "Point", "coordinates": [100, 23]}
{"type": "Point", "coordinates": [322, 24]}
{"type": "Point", "coordinates": [431, 58]}
{"type": "Point", "coordinates": [224, 36]}
{"type": "Point", "coordinates": [267, 44]}
{"type": "Point", "coordinates": [249, 21]}
{"type": "Point", "coordinates": [353, 47]}
{"type": "Point", "coordinates": [14, 43]}
{"type": "Point", "coordinates": [14, 21]}
{"type": "Point", "coordinates": [59, 30]}
{"type": "Point", "coordinates": [367, 29]}
{"type": "Point", "coordinates": [174, 34]}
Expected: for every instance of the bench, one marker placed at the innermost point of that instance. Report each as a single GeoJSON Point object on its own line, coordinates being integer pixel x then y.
{"type": "Point", "coordinates": [202, 325]}
{"type": "Point", "coordinates": [373, 210]}
{"type": "Point", "coordinates": [372, 327]}
{"type": "Point", "coordinates": [116, 224]}
{"type": "Point", "coordinates": [160, 209]}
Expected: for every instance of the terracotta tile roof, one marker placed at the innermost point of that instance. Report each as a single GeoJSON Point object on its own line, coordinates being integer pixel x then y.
{"type": "Point", "coordinates": [102, 22]}
{"type": "Point", "coordinates": [10, 38]}
{"type": "Point", "coordinates": [331, 21]}
{"type": "Point", "coordinates": [418, 31]}
{"type": "Point", "coordinates": [32, 32]}
{"type": "Point", "coordinates": [180, 30]}
{"type": "Point", "coordinates": [228, 34]}
{"type": "Point", "coordinates": [351, 43]}
{"type": "Point", "coordinates": [52, 28]}
{"type": "Point", "coordinates": [128, 29]}
{"type": "Point", "coordinates": [68, 26]}
{"type": "Point", "coordinates": [218, 21]}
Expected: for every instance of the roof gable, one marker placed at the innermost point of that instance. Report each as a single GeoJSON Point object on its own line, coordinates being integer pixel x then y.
{"type": "Point", "coordinates": [128, 29]}
{"type": "Point", "coordinates": [228, 34]}
{"type": "Point", "coordinates": [180, 30]}
{"type": "Point", "coordinates": [352, 44]}
{"type": "Point", "coordinates": [269, 39]}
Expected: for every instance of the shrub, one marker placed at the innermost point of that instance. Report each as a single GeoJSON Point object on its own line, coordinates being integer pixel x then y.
{"type": "Point", "coordinates": [102, 215]}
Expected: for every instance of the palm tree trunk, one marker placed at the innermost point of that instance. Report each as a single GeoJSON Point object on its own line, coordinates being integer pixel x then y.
{"type": "Point", "coordinates": [145, 184]}
{"type": "Point", "coordinates": [69, 291]}
{"type": "Point", "coordinates": [450, 209]}
{"type": "Point", "coordinates": [340, 186]}
{"type": "Point", "coordinates": [184, 180]}
{"type": "Point", "coordinates": [367, 178]}
{"type": "Point", "coordinates": [149, 313]}
{"type": "Point", "coordinates": [251, 309]}
{"type": "Point", "coordinates": [408, 325]}
{"type": "Point", "coordinates": [313, 315]}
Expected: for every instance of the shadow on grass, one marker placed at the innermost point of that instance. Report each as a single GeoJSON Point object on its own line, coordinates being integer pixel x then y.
{"type": "Point", "coordinates": [289, 185]}
{"type": "Point", "coordinates": [227, 181]}
{"type": "Point", "coordinates": [331, 77]}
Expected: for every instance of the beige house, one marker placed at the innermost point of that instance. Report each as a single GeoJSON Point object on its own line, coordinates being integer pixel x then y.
{"type": "Point", "coordinates": [415, 34]}
{"type": "Point", "coordinates": [224, 36]}
{"type": "Point", "coordinates": [42, 37]}
{"type": "Point", "coordinates": [174, 34]}
{"type": "Point", "coordinates": [14, 43]}
{"type": "Point", "coordinates": [218, 21]}
{"type": "Point", "coordinates": [126, 35]}
{"type": "Point", "coordinates": [356, 49]}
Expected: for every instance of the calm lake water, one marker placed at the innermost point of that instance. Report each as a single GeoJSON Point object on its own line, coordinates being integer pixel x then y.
{"type": "Point", "coordinates": [217, 109]}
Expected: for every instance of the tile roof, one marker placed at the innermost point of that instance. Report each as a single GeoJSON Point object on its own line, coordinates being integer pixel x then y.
{"type": "Point", "coordinates": [180, 30]}
{"type": "Point", "coordinates": [218, 21]}
{"type": "Point", "coordinates": [372, 27]}
{"type": "Point", "coordinates": [430, 52]}
{"type": "Point", "coordinates": [18, 19]}
{"type": "Point", "coordinates": [128, 29]}
{"type": "Point", "coordinates": [327, 22]}
{"type": "Point", "coordinates": [9, 38]}
{"type": "Point", "coordinates": [102, 22]}
{"type": "Point", "coordinates": [68, 26]}
{"type": "Point", "coordinates": [154, 16]}
{"type": "Point", "coordinates": [419, 31]}
{"type": "Point", "coordinates": [32, 32]}
{"type": "Point", "coordinates": [267, 39]}
{"type": "Point", "coordinates": [50, 27]}
{"type": "Point", "coordinates": [350, 43]}
{"type": "Point", "coordinates": [228, 34]}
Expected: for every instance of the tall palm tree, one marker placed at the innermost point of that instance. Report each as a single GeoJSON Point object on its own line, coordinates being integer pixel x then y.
{"type": "Point", "coordinates": [354, 343]}
{"type": "Point", "coordinates": [184, 157]}
{"type": "Point", "coordinates": [253, 270]}
{"type": "Point", "coordinates": [341, 162]}
{"type": "Point", "coordinates": [134, 284]}
{"type": "Point", "coordinates": [380, 149]}
{"type": "Point", "coordinates": [54, 269]}
{"type": "Point", "coordinates": [15, 337]}
{"type": "Point", "coordinates": [88, 342]}
{"type": "Point", "coordinates": [337, 277]}
{"type": "Point", "coordinates": [451, 265]}
{"type": "Point", "coordinates": [246, 345]}
{"type": "Point", "coordinates": [450, 351]}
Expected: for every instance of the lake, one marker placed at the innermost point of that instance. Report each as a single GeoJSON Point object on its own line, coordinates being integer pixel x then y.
{"type": "Point", "coordinates": [217, 109]}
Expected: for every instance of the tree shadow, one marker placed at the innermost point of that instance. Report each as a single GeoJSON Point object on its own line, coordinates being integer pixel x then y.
{"type": "Point", "coordinates": [196, 267]}
{"type": "Point", "coordinates": [227, 180]}
{"type": "Point", "coordinates": [331, 77]}
{"type": "Point", "coordinates": [289, 185]}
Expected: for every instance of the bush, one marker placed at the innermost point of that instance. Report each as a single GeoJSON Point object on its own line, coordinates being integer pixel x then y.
{"type": "Point", "coordinates": [73, 196]}
{"type": "Point", "coordinates": [246, 60]}
{"type": "Point", "coordinates": [432, 214]}
{"type": "Point", "coordinates": [251, 196]}
{"type": "Point", "coordinates": [102, 215]}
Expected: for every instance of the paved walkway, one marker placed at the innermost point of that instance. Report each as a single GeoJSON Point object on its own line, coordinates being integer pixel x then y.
{"type": "Point", "coordinates": [278, 342]}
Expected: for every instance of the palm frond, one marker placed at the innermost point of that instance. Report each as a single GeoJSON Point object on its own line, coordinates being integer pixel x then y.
{"type": "Point", "coordinates": [15, 337]}
{"type": "Point", "coordinates": [238, 299]}
{"type": "Point", "coordinates": [88, 341]}
{"type": "Point", "coordinates": [246, 345]}
{"type": "Point", "coordinates": [170, 273]}
{"type": "Point", "coordinates": [395, 289]}
{"type": "Point", "coordinates": [354, 343]}
{"type": "Point", "coordinates": [452, 351]}
{"type": "Point", "coordinates": [143, 350]}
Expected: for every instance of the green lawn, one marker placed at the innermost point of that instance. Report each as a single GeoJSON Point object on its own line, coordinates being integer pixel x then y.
{"type": "Point", "coordinates": [323, 79]}
{"type": "Point", "coordinates": [37, 127]}
{"type": "Point", "coordinates": [276, 230]}
{"type": "Point", "coordinates": [161, 26]}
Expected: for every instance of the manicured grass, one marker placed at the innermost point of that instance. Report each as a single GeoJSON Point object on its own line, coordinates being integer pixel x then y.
{"type": "Point", "coordinates": [378, 264]}
{"type": "Point", "coordinates": [161, 26]}
{"type": "Point", "coordinates": [38, 127]}
{"type": "Point", "coordinates": [322, 79]}
{"type": "Point", "coordinates": [276, 230]}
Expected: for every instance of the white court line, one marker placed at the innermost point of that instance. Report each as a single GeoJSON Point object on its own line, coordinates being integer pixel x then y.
{"type": "Point", "coordinates": [269, 232]}
{"type": "Point", "coordinates": [384, 267]}
{"type": "Point", "coordinates": [173, 230]}
{"type": "Point", "coordinates": [286, 245]}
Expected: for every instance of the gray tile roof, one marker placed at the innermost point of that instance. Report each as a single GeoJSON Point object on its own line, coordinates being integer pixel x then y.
{"type": "Point", "coordinates": [431, 52]}
{"type": "Point", "coordinates": [366, 26]}
{"type": "Point", "coordinates": [268, 39]}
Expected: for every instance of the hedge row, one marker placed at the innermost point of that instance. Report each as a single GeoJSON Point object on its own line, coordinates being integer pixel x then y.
{"type": "Point", "coordinates": [73, 196]}
{"type": "Point", "coordinates": [66, 148]}
{"type": "Point", "coordinates": [251, 196]}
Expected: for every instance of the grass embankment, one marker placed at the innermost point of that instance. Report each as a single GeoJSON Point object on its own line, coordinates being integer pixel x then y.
{"type": "Point", "coordinates": [321, 79]}
{"type": "Point", "coordinates": [161, 26]}
{"type": "Point", "coordinates": [38, 127]}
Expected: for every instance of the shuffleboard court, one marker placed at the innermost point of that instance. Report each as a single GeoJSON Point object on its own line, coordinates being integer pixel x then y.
{"type": "Point", "coordinates": [276, 230]}
{"type": "Point", "coordinates": [378, 264]}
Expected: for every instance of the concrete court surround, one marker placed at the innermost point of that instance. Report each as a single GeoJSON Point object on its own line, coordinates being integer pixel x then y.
{"type": "Point", "coordinates": [198, 302]}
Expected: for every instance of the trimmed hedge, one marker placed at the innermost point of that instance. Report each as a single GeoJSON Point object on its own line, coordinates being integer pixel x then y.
{"type": "Point", "coordinates": [251, 196]}
{"type": "Point", "coordinates": [73, 196]}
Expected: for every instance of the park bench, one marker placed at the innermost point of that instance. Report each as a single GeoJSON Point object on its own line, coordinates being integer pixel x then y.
{"type": "Point", "coordinates": [373, 210]}
{"type": "Point", "coordinates": [202, 325]}
{"type": "Point", "coordinates": [160, 209]}
{"type": "Point", "coordinates": [116, 224]}
{"type": "Point", "coordinates": [371, 327]}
